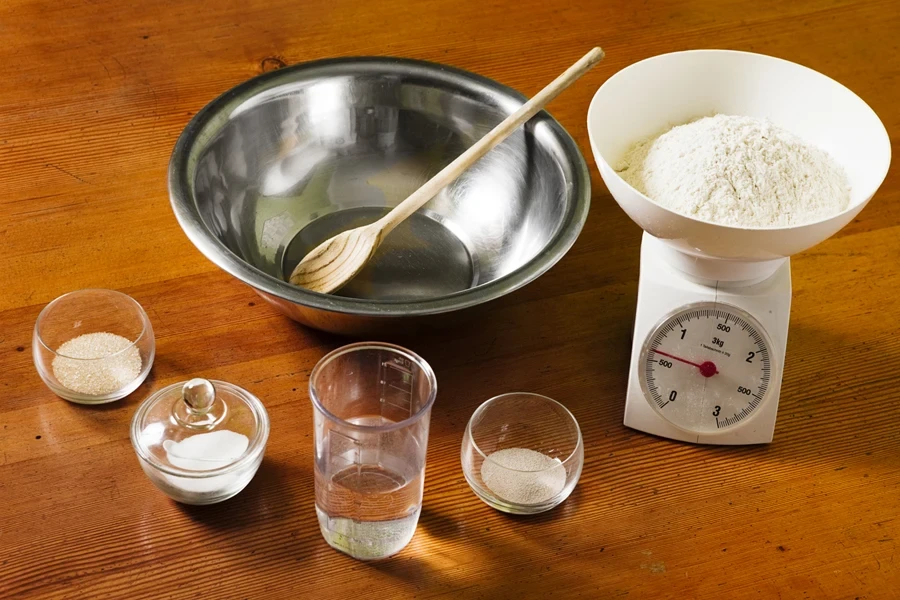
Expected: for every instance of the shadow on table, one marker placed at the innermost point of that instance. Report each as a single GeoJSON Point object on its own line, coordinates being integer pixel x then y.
{"type": "Point", "coordinates": [273, 493]}
{"type": "Point", "coordinates": [432, 561]}
{"type": "Point", "coordinates": [269, 519]}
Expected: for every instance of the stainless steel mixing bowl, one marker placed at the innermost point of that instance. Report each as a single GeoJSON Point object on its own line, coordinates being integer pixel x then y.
{"type": "Point", "coordinates": [282, 162]}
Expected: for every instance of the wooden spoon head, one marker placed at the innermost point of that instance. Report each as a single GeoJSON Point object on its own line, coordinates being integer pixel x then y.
{"type": "Point", "coordinates": [334, 262]}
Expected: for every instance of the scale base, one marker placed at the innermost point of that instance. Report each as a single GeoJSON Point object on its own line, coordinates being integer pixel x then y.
{"type": "Point", "coordinates": [663, 289]}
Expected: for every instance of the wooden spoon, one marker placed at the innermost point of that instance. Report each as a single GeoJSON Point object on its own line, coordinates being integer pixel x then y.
{"type": "Point", "coordinates": [337, 260]}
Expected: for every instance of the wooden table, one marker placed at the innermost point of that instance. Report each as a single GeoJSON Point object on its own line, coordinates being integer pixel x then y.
{"type": "Point", "coordinates": [94, 94]}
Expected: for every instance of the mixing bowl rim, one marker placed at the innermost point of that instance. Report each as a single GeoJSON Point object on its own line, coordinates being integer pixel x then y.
{"type": "Point", "coordinates": [578, 188]}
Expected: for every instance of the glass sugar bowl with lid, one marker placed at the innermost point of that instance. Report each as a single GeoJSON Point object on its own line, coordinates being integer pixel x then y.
{"type": "Point", "coordinates": [200, 442]}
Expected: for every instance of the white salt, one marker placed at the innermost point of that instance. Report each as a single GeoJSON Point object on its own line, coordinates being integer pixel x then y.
{"type": "Point", "coordinates": [97, 363]}
{"type": "Point", "coordinates": [203, 452]}
{"type": "Point", "coordinates": [523, 476]}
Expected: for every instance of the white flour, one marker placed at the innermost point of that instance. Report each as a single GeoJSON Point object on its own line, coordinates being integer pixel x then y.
{"type": "Point", "coordinates": [737, 171]}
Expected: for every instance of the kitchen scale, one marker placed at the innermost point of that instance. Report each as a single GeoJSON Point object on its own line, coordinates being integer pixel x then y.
{"type": "Point", "coordinates": [713, 307]}
{"type": "Point", "coordinates": [708, 354]}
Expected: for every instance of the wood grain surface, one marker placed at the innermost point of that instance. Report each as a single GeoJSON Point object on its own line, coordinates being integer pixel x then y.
{"type": "Point", "coordinates": [94, 94]}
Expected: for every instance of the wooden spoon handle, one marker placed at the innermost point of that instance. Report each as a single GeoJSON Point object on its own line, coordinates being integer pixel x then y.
{"type": "Point", "coordinates": [499, 133]}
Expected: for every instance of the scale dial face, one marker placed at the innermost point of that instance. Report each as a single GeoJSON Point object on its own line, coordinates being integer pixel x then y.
{"type": "Point", "coordinates": [706, 367]}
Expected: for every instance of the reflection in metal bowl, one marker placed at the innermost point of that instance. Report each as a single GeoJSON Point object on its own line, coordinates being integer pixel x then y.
{"type": "Point", "coordinates": [286, 160]}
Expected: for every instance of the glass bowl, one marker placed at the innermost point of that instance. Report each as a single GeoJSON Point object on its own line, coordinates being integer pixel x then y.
{"type": "Point", "coordinates": [200, 452]}
{"type": "Point", "coordinates": [522, 453]}
{"type": "Point", "coordinates": [93, 346]}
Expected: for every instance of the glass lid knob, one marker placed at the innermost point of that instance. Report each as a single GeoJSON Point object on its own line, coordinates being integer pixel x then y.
{"type": "Point", "coordinates": [199, 408]}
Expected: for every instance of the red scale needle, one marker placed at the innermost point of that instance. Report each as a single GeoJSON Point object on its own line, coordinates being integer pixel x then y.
{"type": "Point", "coordinates": [707, 369]}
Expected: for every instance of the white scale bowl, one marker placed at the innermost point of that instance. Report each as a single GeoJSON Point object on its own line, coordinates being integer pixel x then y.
{"type": "Point", "coordinates": [645, 98]}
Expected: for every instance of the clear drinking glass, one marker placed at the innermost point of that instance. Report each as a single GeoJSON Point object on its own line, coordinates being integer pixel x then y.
{"type": "Point", "coordinates": [371, 409]}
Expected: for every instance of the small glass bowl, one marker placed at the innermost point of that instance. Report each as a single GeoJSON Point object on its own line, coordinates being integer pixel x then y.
{"type": "Point", "coordinates": [92, 380]}
{"type": "Point", "coordinates": [167, 419]}
{"type": "Point", "coordinates": [522, 453]}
